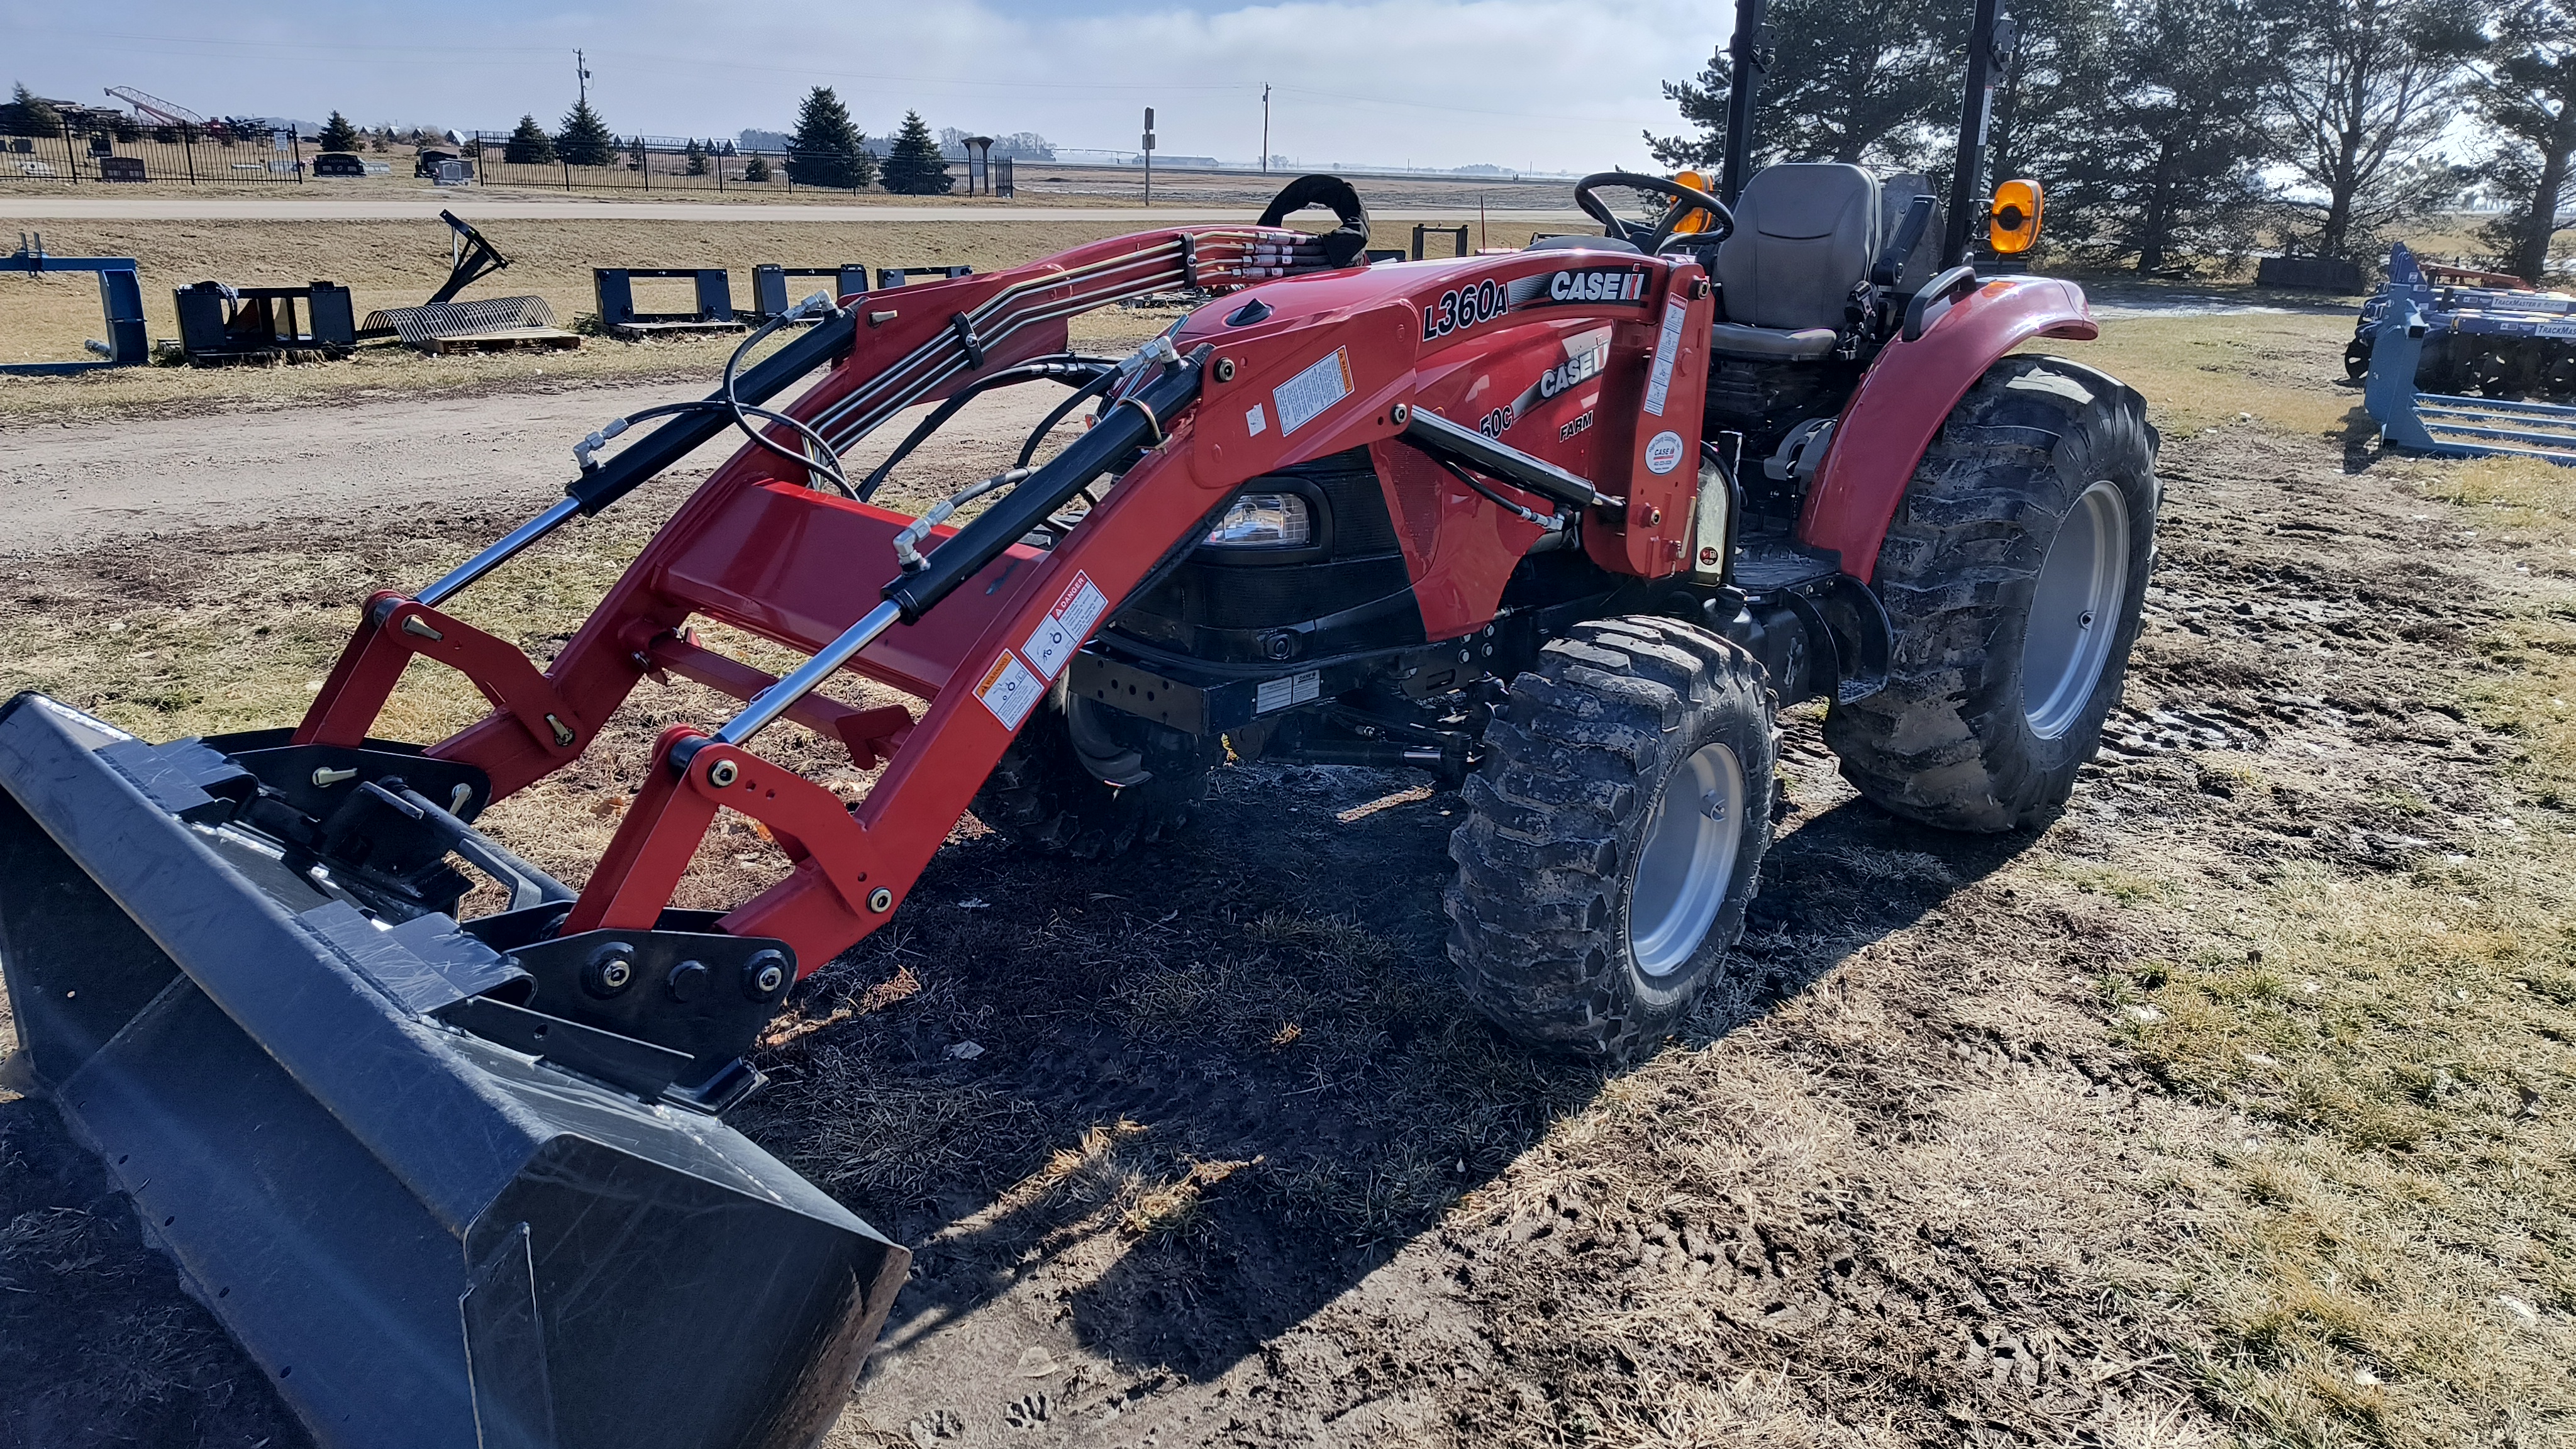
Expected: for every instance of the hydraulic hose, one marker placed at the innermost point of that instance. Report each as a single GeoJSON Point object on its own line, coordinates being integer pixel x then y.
{"type": "Point", "coordinates": [1134, 424]}
{"type": "Point", "coordinates": [1091, 369]}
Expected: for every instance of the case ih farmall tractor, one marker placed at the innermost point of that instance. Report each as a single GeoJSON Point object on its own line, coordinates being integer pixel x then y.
{"type": "Point", "coordinates": [1569, 525]}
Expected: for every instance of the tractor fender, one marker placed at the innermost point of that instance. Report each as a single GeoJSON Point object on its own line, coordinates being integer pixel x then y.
{"type": "Point", "coordinates": [1901, 404]}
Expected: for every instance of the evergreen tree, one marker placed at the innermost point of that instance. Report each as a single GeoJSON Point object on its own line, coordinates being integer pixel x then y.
{"type": "Point", "coordinates": [29, 114]}
{"type": "Point", "coordinates": [827, 150]}
{"type": "Point", "coordinates": [635, 154]}
{"type": "Point", "coordinates": [2526, 95]}
{"type": "Point", "coordinates": [2171, 159]}
{"type": "Point", "coordinates": [756, 169]}
{"type": "Point", "coordinates": [914, 167]}
{"type": "Point", "coordinates": [1848, 80]}
{"type": "Point", "coordinates": [585, 139]}
{"type": "Point", "coordinates": [697, 157]}
{"type": "Point", "coordinates": [338, 134]}
{"type": "Point", "coordinates": [529, 145]}
{"type": "Point", "coordinates": [2368, 87]}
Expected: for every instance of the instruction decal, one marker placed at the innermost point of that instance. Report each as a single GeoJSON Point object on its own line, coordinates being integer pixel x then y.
{"type": "Point", "coordinates": [1668, 349]}
{"type": "Point", "coordinates": [1009, 690]}
{"type": "Point", "coordinates": [1066, 625]}
{"type": "Point", "coordinates": [1303, 398]}
{"type": "Point", "coordinates": [1273, 694]}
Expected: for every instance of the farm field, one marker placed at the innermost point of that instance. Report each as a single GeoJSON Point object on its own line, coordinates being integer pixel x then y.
{"type": "Point", "coordinates": [2233, 1106]}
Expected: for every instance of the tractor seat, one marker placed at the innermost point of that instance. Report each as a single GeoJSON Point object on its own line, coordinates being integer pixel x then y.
{"type": "Point", "coordinates": [1805, 234]}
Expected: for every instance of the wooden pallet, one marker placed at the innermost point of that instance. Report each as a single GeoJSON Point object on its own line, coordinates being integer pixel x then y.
{"type": "Point", "coordinates": [645, 331]}
{"type": "Point", "coordinates": [506, 339]}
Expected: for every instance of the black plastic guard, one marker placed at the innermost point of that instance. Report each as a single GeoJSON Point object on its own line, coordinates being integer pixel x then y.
{"type": "Point", "coordinates": [423, 1237]}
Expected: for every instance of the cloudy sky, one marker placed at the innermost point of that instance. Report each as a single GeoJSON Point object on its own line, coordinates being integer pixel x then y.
{"type": "Point", "coordinates": [1545, 84]}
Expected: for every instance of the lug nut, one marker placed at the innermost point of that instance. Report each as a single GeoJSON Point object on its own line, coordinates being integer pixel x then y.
{"type": "Point", "coordinates": [723, 773]}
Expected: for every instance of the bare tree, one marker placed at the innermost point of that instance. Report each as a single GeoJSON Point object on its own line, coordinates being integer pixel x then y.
{"type": "Point", "coordinates": [2369, 85]}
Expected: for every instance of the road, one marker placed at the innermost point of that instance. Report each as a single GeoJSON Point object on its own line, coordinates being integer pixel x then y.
{"type": "Point", "coordinates": [181, 206]}
{"type": "Point", "coordinates": [66, 485]}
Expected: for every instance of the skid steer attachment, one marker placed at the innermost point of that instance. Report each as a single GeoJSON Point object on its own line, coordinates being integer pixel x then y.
{"type": "Point", "coordinates": [432, 1212]}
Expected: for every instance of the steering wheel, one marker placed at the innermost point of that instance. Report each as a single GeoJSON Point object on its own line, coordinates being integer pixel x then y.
{"type": "Point", "coordinates": [1650, 240]}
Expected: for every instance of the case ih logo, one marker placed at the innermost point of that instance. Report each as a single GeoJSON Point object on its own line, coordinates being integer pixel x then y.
{"type": "Point", "coordinates": [1615, 286]}
{"type": "Point", "coordinates": [1573, 370]}
{"type": "Point", "coordinates": [1627, 284]}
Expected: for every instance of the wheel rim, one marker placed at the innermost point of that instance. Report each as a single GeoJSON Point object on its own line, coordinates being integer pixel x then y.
{"type": "Point", "coordinates": [2075, 612]}
{"type": "Point", "coordinates": [1686, 863]}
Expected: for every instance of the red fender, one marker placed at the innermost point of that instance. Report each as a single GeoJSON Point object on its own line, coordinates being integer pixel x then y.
{"type": "Point", "coordinates": [1907, 394]}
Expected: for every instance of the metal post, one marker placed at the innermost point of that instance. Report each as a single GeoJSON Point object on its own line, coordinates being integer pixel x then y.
{"type": "Point", "coordinates": [1747, 57]}
{"type": "Point", "coordinates": [1149, 155]}
{"type": "Point", "coordinates": [1265, 128]}
{"type": "Point", "coordinates": [1975, 110]}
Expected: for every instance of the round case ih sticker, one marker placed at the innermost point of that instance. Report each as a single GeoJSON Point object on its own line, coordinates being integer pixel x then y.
{"type": "Point", "coordinates": [1664, 452]}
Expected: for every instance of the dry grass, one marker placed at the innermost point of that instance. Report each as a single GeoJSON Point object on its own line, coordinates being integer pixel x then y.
{"type": "Point", "coordinates": [389, 264]}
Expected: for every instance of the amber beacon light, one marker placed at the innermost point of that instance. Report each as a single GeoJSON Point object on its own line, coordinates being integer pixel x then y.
{"type": "Point", "coordinates": [2012, 223]}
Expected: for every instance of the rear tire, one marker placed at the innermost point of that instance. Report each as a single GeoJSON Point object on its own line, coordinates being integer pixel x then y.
{"type": "Point", "coordinates": [1047, 794]}
{"type": "Point", "coordinates": [2014, 573]}
{"type": "Point", "coordinates": [1614, 836]}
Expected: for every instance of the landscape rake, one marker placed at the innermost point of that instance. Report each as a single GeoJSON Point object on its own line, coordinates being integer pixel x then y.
{"type": "Point", "coordinates": [1565, 526]}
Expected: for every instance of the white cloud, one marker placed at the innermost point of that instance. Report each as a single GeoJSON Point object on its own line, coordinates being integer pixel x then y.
{"type": "Point", "coordinates": [1550, 84]}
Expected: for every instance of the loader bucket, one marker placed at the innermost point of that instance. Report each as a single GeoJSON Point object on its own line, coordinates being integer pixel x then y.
{"type": "Point", "coordinates": [423, 1236]}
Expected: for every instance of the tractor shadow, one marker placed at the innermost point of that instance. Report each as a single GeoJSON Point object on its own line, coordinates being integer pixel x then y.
{"type": "Point", "coordinates": [1213, 1084]}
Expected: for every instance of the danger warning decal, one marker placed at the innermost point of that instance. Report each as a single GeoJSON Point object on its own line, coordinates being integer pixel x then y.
{"type": "Point", "coordinates": [1009, 690]}
{"type": "Point", "coordinates": [1066, 625]}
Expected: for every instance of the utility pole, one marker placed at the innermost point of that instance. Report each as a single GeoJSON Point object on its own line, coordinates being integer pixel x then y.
{"type": "Point", "coordinates": [1265, 128]}
{"type": "Point", "coordinates": [581, 76]}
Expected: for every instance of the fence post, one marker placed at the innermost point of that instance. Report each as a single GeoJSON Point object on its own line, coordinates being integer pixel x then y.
{"type": "Point", "coordinates": [567, 170]}
{"type": "Point", "coordinates": [188, 149]}
{"type": "Point", "coordinates": [295, 145]}
{"type": "Point", "coordinates": [71, 163]}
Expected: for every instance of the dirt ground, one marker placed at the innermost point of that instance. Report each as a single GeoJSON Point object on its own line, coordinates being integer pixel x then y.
{"type": "Point", "coordinates": [2232, 1105]}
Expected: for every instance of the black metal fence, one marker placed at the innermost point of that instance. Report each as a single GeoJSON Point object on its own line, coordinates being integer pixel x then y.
{"type": "Point", "coordinates": [187, 154]}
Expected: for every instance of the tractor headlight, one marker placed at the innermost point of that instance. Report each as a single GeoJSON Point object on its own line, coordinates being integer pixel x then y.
{"type": "Point", "coordinates": [1265, 520]}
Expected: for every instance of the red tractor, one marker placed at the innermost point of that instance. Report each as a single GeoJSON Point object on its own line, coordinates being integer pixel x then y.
{"type": "Point", "coordinates": [1566, 525]}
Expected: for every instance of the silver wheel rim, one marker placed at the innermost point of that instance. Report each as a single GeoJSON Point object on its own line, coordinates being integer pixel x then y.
{"type": "Point", "coordinates": [2075, 612]}
{"type": "Point", "coordinates": [1686, 863]}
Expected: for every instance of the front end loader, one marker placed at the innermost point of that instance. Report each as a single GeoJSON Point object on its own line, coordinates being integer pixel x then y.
{"type": "Point", "coordinates": [1564, 526]}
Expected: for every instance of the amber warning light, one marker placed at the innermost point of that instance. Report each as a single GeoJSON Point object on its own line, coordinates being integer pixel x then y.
{"type": "Point", "coordinates": [2012, 223]}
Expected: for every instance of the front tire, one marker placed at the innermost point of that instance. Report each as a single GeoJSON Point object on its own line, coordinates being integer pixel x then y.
{"type": "Point", "coordinates": [1614, 835]}
{"type": "Point", "coordinates": [2014, 573]}
{"type": "Point", "coordinates": [1048, 792]}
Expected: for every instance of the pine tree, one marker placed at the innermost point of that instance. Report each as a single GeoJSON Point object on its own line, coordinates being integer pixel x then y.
{"type": "Point", "coordinates": [29, 114]}
{"type": "Point", "coordinates": [826, 149]}
{"type": "Point", "coordinates": [914, 167]}
{"type": "Point", "coordinates": [2526, 94]}
{"type": "Point", "coordinates": [697, 156]}
{"type": "Point", "coordinates": [338, 134]}
{"type": "Point", "coordinates": [529, 145]}
{"type": "Point", "coordinates": [635, 154]}
{"type": "Point", "coordinates": [585, 139]}
{"type": "Point", "coordinates": [1850, 80]}
{"type": "Point", "coordinates": [757, 169]}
